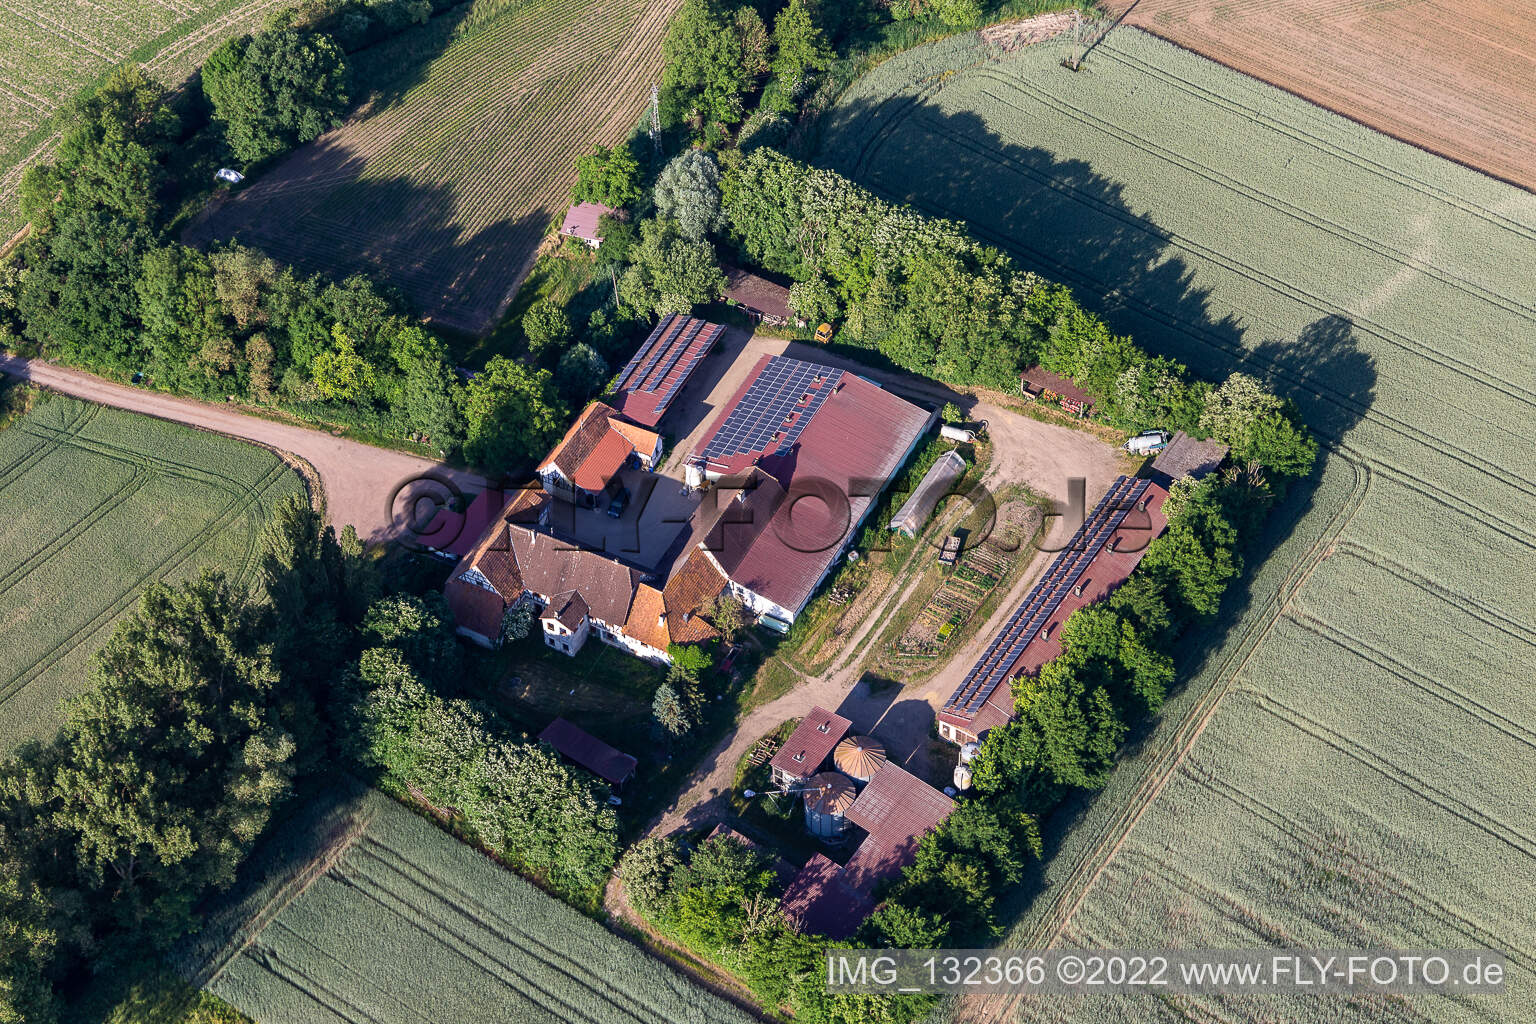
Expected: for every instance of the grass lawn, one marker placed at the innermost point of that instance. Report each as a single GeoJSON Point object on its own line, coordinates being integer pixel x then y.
{"type": "Point", "coordinates": [98, 504]}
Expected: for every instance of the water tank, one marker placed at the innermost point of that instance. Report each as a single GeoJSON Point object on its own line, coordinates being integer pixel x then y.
{"type": "Point", "coordinates": [859, 757]}
{"type": "Point", "coordinates": [950, 432]}
{"type": "Point", "coordinates": [962, 778]}
{"type": "Point", "coordinates": [827, 799]}
{"type": "Point", "coordinates": [969, 751]}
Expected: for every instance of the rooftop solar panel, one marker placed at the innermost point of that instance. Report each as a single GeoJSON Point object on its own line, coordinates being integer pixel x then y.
{"type": "Point", "coordinates": [1046, 596]}
{"type": "Point", "coordinates": [775, 394]}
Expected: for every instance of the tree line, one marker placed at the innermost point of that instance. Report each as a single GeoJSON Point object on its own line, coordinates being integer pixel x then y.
{"type": "Point", "coordinates": [207, 707]}
{"type": "Point", "coordinates": [930, 298]}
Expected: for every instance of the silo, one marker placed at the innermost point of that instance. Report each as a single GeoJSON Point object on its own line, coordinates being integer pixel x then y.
{"type": "Point", "coordinates": [859, 757]}
{"type": "Point", "coordinates": [962, 778]}
{"type": "Point", "coordinates": [827, 799]}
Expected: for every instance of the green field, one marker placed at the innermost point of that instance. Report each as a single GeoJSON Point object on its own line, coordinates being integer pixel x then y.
{"type": "Point", "coordinates": [1353, 759]}
{"type": "Point", "coordinates": [50, 50]}
{"type": "Point", "coordinates": [360, 911]}
{"type": "Point", "coordinates": [98, 503]}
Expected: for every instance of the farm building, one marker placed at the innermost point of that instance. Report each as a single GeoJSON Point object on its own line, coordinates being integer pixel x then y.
{"type": "Point", "coordinates": [581, 222]}
{"type": "Point", "coordinates": [1043, 385]}
{"type": "Point", "coordinates": [576, 744]}
{"type": "Point", "coordinates": [650, 381]}
{"type": "Point", "coordinates": [1100, 556]}
{"type": "Point", "coordinates": [806, 750]}
{"type": "Point", "coordinates": [802, 442]}
{"type": "Point", "coordinates": [456, 534]}
{"type": "Point", "coordinates": [586, 462]}
{"type": "Point", "coordinates": [578, 592]}
{"type": "Point", "coordinates": [936, 483]}
{"type": "Point", "coordinates": [1186, 457]}
{"type": "Point", "coordinates": [896, 809]}
{"type": "Point", "coordinates": [763, 300]}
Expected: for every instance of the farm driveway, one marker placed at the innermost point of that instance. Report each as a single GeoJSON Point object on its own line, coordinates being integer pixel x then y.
{"type": "Point", "coordinates": [366, 487]}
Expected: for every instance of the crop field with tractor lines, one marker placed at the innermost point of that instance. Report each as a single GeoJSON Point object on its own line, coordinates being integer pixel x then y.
{"type": "Point", "coordinates": [446, 190]}
{"type": "Point", "coordinates": [1352, 758]}
{"type": "Point", "coordinates": [369, 914]}
{"type": "Point", "coordinates": [1453, 76]}
{"type": "Point", "coordinates": [51, 50]}
{"type": "Point", "coordinates": [98, 504]}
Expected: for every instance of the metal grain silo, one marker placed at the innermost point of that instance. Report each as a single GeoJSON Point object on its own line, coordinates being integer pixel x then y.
{"type": "Point", "coordinates": [827, 799]}
{"type": "Point", "coordinates": [859, 757]}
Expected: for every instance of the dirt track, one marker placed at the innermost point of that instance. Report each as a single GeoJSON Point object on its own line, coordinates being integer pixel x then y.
{"type": "Point", "coordinates": [360, 481]}
{"type": "Point", "coordinates": [1454, 77]}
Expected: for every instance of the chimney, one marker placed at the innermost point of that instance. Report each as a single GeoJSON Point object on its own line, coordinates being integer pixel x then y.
{"type": "Point", "coordinates": [1077, 591]}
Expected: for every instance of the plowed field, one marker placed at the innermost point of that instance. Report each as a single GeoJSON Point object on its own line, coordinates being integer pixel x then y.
{"type": "Point", "coordinates": [1457, 77]}
{"type": "Point", "coordinates": [446, 190]}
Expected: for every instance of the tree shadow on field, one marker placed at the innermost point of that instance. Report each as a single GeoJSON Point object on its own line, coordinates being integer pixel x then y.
{"type": "Point", "coordinates": [1059, 218]}
{"type": "Point", "coordinates": [316, 212]}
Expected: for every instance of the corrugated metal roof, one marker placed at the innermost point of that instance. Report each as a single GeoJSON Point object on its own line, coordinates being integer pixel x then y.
{"type": "Point", "coordinates": [896, 809]}
{"type": "Point", "coordinates": [820, 903]}
{"type": "Point", "coordinates": [830, 441]}
{"type": "Point", "coordinates": [859, 756]}
{"type": "Point", "coordinates": [581, 220]}
{"type": "Point", "coordinates": [587, 750]}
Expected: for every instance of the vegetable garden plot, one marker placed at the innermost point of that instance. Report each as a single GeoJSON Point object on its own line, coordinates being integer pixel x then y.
{"type": "Point", "coordinates": [1366, 704]}
{"type": "Point", "coordinates": [99, 504]}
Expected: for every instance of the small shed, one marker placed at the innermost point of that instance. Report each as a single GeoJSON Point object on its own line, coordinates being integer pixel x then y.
{"type": "Point", "coordinates": [1186, 457]}
{"type": "Point", "coordinates": [576, 744]}
{"type": "Point", "coordinates": [1042, 385]}
{"type": "Point", "coordinates": [764, 300]}
{"type": "Point", "coordinates": [581, 222]}
{"type": "Point", "coordinates": [936, 483]}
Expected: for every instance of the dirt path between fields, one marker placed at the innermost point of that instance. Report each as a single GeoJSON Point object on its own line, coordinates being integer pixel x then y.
{"type": "Point", "coordinates": [370, 488]}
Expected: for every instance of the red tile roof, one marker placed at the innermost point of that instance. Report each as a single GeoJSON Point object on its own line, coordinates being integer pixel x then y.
{"type": "Point", "coordinates": [647, 620]}
{"type": "Point", "coordinates": [581, 220]}
{"type": "Point", "coordinates": [820, 903]}
{"type": "Point", "coordinates": [475, 608]}
{"type": "Point", "coordinates": [695, 582]}
{"type": "Point", "coordinates": [847, 433]}
{"type": "Point", "coordinates": [588, 751]}
{"type": "Point", "coordinates": [896, 808]}
{"type": "Point", "coordinates": [592, 451]}
{"type": "Point", "coordinates": [810, 743]}
{"type": "Point", "coordinates": [660, 368]}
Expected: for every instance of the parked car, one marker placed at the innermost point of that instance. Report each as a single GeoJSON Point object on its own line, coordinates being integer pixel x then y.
{"type": "Point", "coordinates": [1148, 442]}
{"type": "Point", "coordinates": [619, 503]}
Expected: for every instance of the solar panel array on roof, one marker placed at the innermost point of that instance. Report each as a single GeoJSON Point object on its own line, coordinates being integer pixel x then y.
{"type": "Point", "coordinates": [780, 402]}
{"type": "Point", "coordinates": [1046, 596]}
{"type": "Point", "coordinates": [677, 344]}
